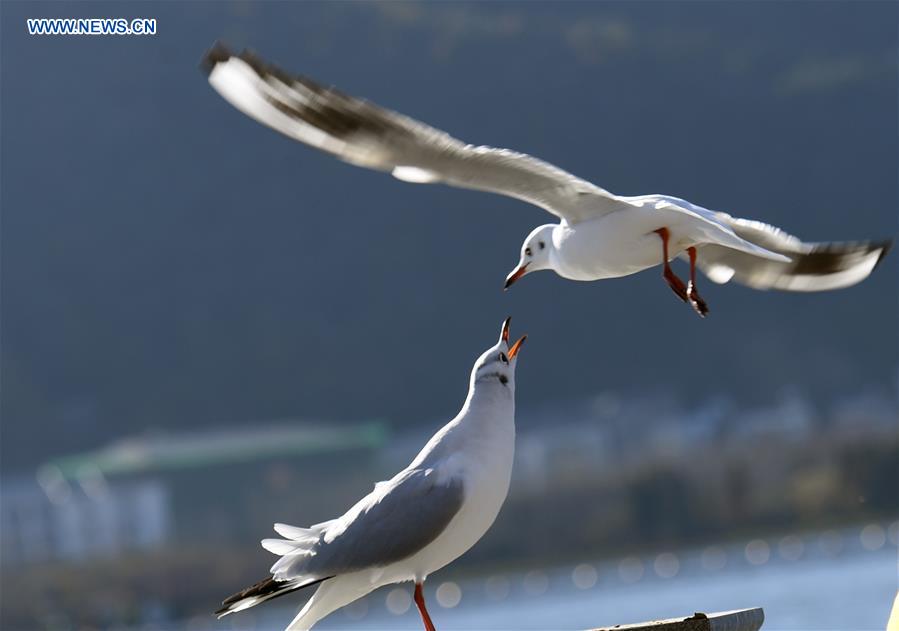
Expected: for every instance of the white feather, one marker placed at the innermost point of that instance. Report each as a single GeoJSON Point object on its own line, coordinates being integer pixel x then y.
{"type": "Point", "coordinates": [284, 546]}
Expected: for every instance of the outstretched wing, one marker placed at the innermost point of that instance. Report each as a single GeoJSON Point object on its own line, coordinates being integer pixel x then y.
{"type": "Point", "coordinates": [811, 266]}
{"type": "Point", "coordinates": [396, 520]}
{"type": "Point", "coordinates": [364, 134]}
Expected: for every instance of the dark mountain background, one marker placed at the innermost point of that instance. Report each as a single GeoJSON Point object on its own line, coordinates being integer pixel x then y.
{"type": "Point", "coordinates": [167, 263]}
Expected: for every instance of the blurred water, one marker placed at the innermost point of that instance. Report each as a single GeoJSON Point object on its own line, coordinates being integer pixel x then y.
{"type": "Point", "coordinates": [828, 580]}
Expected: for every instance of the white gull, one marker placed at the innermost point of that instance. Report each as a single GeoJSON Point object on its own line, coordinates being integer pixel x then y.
{"type": "Point", "coordinates": [413, 524]}
{"type": "Point", "coordinates": [599, 235]}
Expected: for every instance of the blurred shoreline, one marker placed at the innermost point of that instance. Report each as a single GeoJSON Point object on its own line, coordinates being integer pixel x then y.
{"type": "Point", "coordinates": [175, 519]}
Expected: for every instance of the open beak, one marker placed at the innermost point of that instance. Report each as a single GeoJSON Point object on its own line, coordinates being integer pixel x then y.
{"type": "Point", "coordinates": [516, 347]}
{"type": "Point", "coordinates": [520, 271]}
{"type": "Point", "coordinates": [504, 336]}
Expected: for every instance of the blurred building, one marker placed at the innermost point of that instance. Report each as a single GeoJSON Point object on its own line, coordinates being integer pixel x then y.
{"type": "Point", "coordinates": [61, 520]}
{"type": "Point", "coordinates": [147, 492]}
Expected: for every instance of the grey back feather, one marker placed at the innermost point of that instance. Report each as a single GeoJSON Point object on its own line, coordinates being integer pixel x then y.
{"type": "Point", "coordinates": [396, 520]}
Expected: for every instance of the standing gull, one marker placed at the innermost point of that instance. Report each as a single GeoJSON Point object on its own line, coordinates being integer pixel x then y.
{"type": "Point", "coordinates": [410, 526]}
{"type": "Point", "coordinates": [600, 234]}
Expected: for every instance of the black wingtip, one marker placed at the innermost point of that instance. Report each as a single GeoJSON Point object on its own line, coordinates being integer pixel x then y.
{"type": "Point", "coordinates": [217, 54]}
{"type": "Point", "coordinates": [885, 247]}
{"type": "Point", "coordinates": [266, 589]}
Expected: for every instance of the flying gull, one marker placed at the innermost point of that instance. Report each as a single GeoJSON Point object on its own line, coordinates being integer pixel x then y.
{"type": "Point", "coordinates": [599, 234]}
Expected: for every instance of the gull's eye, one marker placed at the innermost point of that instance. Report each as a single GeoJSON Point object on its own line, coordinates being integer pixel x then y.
{"type": "Point", "coordinates": [542, 245]}
{"type": "Point", "coordinates": [527, 251]}
{"type": "Point", "coordinates": [503, 379]}
{"type": "Point", "coordinates": [503, 358]}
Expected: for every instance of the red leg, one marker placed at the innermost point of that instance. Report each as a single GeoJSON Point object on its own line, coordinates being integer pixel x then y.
{"type": "Point", "coordinates": [696, 301]}
{"type": "Point", "coordinates": [420, 601]}
{"type": "Point", "coordinates": [676, 284]}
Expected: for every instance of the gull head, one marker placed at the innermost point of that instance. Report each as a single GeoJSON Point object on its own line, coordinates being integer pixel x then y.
{"type": "Point", "coordinates": [534, 253]}
{"type": "Point", "coordinates": [497, 364]}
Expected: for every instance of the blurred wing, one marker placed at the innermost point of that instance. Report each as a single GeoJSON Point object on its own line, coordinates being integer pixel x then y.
{"type": "Point", "coordinates": [364, 134]}
{"type": "Point", "coordinates": [812, 266]}
{"type": "Point", "coordinates": [397, 519]}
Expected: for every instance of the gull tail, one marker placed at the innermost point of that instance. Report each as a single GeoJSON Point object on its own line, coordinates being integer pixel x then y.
{"type": "Point", "coordinates": [296, 548]}
{"type": "Point", "coordinates": [811, 266]}
{"type": "Point", "coordinates": [263, 590]}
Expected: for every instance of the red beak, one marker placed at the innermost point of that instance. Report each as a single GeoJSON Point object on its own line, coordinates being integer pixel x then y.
{"type": "Point", "coordinates": [520, 271]}
{"type": "Point", "coordinates": [504, 336]}
{"type": "Point", "coordinates": [516, 347]}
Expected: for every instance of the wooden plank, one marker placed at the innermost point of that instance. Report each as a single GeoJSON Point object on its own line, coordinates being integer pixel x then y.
{"type": "Point", "coordinates": [737, 620]}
